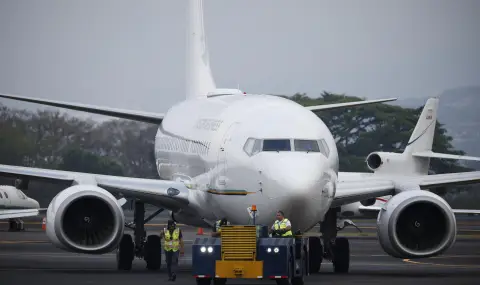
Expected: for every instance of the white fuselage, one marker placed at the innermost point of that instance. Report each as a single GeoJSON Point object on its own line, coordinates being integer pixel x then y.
{"type": "Point", "coordinates": [204, 142]}
{"type": "Point", "coordinates": [12, 198]}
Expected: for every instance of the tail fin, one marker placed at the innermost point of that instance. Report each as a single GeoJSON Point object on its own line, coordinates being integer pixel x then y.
{"type": "Point", "coordinates": [419, 147]}
{"type": "Point", "coordinates": [422, 136]}
{"type": "Point", "coordinates": [199, 79]}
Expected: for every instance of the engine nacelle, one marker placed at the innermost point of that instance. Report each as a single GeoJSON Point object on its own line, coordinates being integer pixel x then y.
{"type": "Point", "coordinates": [416, 224]}
{"type": "Point", "coordinates": [378, 160]}
{"type": "Point", "coordinates": [188, 219]}
{"type": "Point", "coordinates": [85, 219]}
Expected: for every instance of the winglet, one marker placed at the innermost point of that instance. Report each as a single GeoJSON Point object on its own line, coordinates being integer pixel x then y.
{"type": "Point", "coordinates": [347, 104]}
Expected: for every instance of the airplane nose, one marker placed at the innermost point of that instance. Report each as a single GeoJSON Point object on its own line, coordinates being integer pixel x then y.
{"type": "Point", "coordinates": [299, 176]}
{"type": "Point", "coordinates": [35, 203]}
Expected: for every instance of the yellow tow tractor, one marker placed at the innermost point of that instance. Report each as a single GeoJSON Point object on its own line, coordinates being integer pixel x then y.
{"type": "Point", "coordinates": [247, 252]}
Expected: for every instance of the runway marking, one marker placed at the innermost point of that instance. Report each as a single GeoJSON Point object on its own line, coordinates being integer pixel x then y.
{"type": "Point", "coordinates": [180, 269]}
{"type": "Point", "coordinates": [22, 241]}
{"type": "Point", "coordinates": [445, 265]}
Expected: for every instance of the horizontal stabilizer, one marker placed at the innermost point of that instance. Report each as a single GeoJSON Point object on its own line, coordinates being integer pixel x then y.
{"type": "Point", "coordinates": [432, 154]}
{"type": "Point", "coordinates": [15, 214]}
{"type": "Point", "coordinates": [327, 107]}
{"type": "Point", "coordinates": [140, 116]}
{"type": "Point", "coordinates": [465, 211]}
{"type": "Point", "coordinates": [364, 209]}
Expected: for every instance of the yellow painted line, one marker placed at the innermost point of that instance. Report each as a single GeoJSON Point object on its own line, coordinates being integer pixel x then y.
{"type": "Point", "coordinates": [441, 264]}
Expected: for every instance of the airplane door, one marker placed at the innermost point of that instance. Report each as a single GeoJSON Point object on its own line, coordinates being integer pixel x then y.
{"type": "Point", "coordinates": [222, 162]}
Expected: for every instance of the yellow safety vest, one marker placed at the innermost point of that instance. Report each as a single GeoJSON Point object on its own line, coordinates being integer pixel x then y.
{"type": "Point", "coordinates": [171, 244]}
{"type": "Point", "coordinates": [218, 227]}
{"type": "Point", "coordinates": [282, 225]}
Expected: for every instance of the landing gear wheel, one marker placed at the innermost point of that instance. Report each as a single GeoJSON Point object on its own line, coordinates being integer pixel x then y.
{"type": "Point", "coordinates": [153, 252]}
{"type": "Point", "coordinates": [219, 281]}
{"type": "Point", "coordinates": [204, 281]}
{"type": "Point", "coordinates": [315, 254]}
{"type": "Point", "coordinates": [341, 255]}
{"type": "Point", "coordinates": [125, 253]}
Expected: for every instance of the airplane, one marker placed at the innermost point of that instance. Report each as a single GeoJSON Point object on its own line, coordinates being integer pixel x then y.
{"type": "Point", "coordinates": [220, 151]}
{"type": "Point", "coordinates": [14, 204]}
{"type": "Point", "coordinates": [369, 208]}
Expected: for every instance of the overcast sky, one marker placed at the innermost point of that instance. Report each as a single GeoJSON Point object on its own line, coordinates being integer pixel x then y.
{"type": "Point", "coordinates": [131, 54]}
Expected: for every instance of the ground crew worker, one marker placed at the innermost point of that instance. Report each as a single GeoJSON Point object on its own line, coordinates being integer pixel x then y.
{"type": "Point", "coordinates": [282, 226]}
{"type": "Point", "coordinates": [217, 228]}
{"type": "Point", "coordinates": [173, 241]}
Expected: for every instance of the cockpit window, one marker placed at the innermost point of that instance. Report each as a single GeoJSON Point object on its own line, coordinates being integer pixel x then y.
{"type": "Point", "coordinates": [306, 145]}
{"type": "Point", "coordinates": [276, 145]}
{"type": "Point", "coordinates": [21, 195]}
{"type": "Point", "coordinates": [252, 146]}
{"type": "Point", "coordinates": [324, 147]}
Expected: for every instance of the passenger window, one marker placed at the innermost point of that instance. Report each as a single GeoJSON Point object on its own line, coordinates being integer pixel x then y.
{"type": "Point", "coordinates": [5, 193]}
{"type": "Point", "coordinates": [276, 145]}
{"type": "Point", "coordinates": [306, 145]}
{"type": "Point", "coordinates": [1, 197]}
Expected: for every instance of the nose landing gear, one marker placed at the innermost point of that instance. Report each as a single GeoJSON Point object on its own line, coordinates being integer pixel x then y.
{"type": "Point", "coordinates": [330, 247]}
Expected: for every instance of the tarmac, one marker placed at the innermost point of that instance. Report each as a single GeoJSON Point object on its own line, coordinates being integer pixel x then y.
{"type": "Point", "coordinates": [29, 258]}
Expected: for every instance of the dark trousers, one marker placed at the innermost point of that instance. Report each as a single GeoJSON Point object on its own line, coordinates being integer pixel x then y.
{"type": "Point", "coordinates": [171, 258]}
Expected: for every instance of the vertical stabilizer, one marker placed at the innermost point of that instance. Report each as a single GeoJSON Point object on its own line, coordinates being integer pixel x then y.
{"type": "Point", "coordinates": [199, 79]}
{"type": "Point", "coordinates": [422, 136]}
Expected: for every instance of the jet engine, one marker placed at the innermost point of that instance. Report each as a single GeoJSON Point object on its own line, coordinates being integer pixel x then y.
{"type": "Point", "coordinates": [85, 219]}
{"type": "Point", "coordinates": [390, 160]}
{"type": "Point", "coordinates": [416, 224]}
{"type": "Point", "coordinates": [189, 219]}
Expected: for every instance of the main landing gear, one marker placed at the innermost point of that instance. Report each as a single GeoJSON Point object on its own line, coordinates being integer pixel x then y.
{"type": "Point", "coordinates": [330, 247]}
{"type": "Point", "coordinates": [140, 246]}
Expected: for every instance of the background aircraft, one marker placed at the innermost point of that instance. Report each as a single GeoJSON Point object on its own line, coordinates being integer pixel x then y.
{"type": "Point", "coordinates": [381, 165]}
{"type": "Point", "coordinates": [14, 204]}
{"type": "Point", "coordinates": [221, 150]}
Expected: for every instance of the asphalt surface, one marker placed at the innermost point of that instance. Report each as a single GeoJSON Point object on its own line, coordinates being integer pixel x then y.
{"type": "Point", "coordinates": [29, 258]}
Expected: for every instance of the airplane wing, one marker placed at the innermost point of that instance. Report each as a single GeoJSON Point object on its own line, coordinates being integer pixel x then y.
{"type": "Point", "coordinates": [357, 189]}
{"type": "Point", "coordinates": [347, 104]}
{"type": "Point", "coordinates": [169, 194]}
{"type": "Point", "coordinates": [140, 116]}
{"type": "Point", "coordinates": [354, 188]}
{"type": "Point", "coordinates": [13, 214]}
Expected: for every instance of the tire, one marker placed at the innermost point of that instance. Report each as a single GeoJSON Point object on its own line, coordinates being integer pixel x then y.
{"type": "Point", "coordinates": [125, 253]}
{"type": "Point", "coordinates": [315, 254]}
{"type": "Point", "coordinates": [153, 252]}
{"type": "Point", "coordinates": [341, 255]}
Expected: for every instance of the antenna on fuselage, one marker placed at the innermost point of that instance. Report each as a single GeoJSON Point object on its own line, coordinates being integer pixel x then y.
{"type": "Point", "coordinates": [199, 78]}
